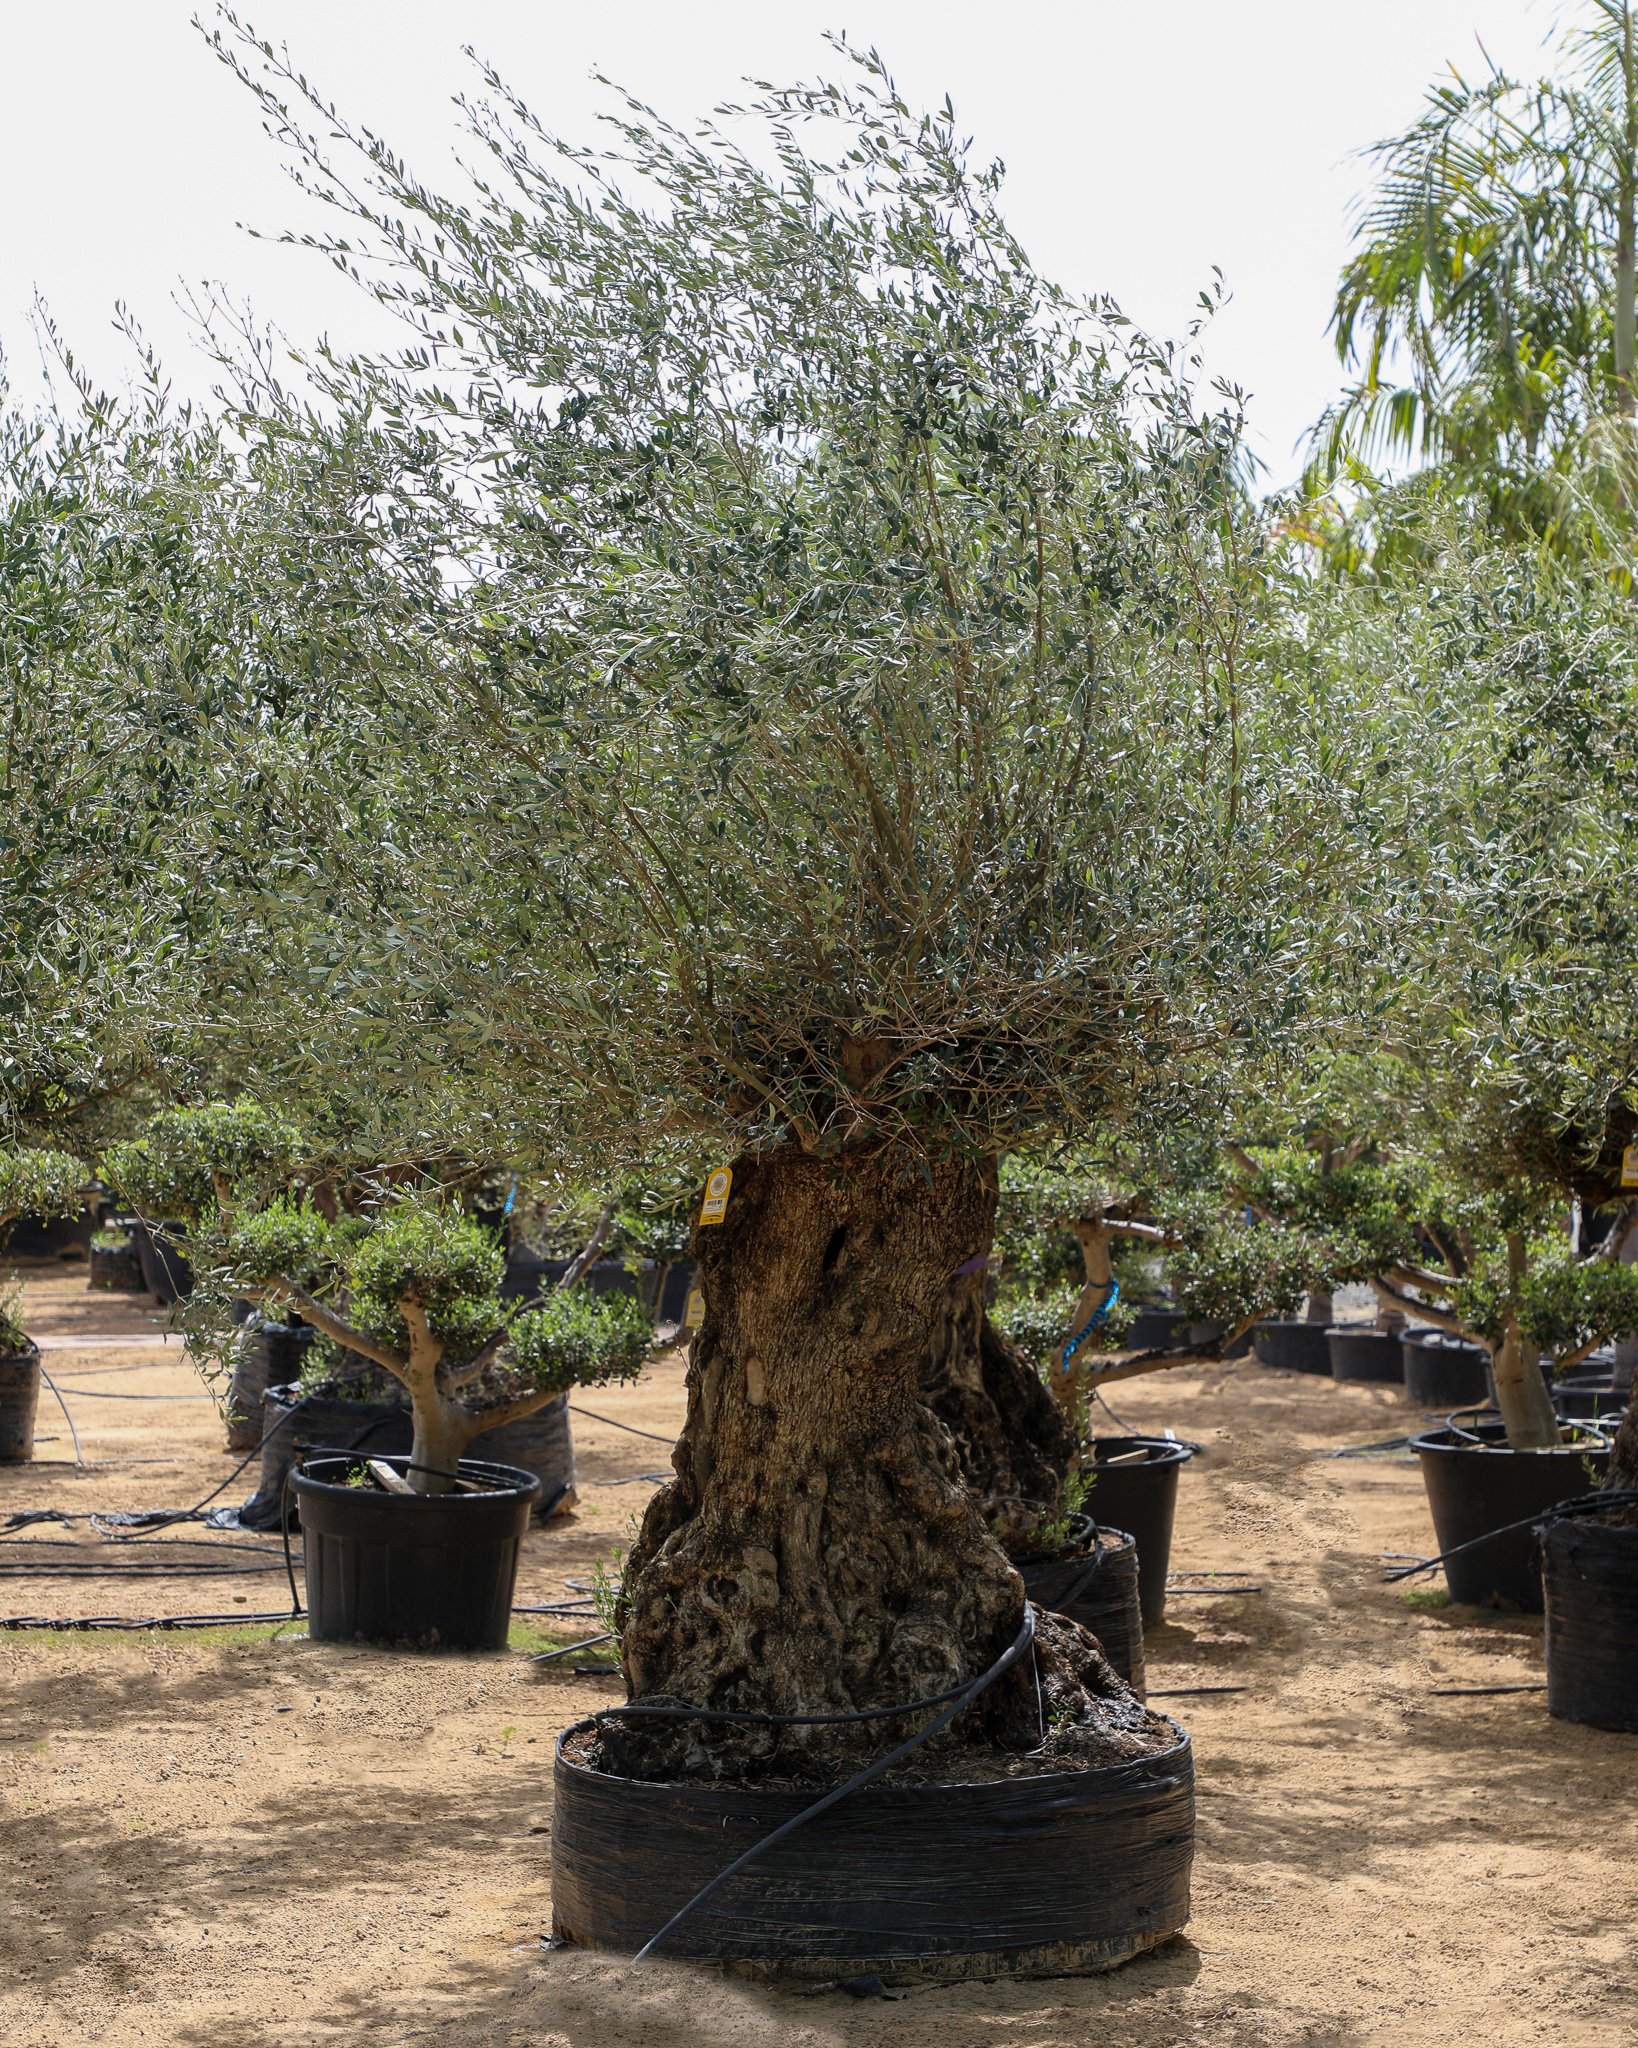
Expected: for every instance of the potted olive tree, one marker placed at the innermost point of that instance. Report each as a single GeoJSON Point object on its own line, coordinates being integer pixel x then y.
{"type": "Point", "coordinates": [35, 1180]}
{"type": "Point", "coordinates": [424, 1547]}
{"type": "Point", "coordinates": [855, 730]}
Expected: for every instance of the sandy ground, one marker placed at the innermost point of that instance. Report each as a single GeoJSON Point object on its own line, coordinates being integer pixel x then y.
{"type": "Point", "coordinates": [250, 1841]}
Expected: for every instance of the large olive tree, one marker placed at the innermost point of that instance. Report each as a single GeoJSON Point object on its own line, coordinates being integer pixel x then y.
{"type": "Point", "coordinates": [833, 702]}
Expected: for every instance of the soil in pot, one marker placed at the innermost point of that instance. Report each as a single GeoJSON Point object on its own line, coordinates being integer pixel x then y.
{"type": "Point", "coordinates": [1135, 1489]}
{"type": "Point", "coordinates": [1589, 1572]}
{"type": "Point", "coordinates": [1292, 1345]}
{"type": "Point", "coordinates": [1067, 1872]}
{"type": "Point", "coordinates": [1097, 1588]}
{"type": "Point", "coordinates": [1443, 1371]}
{"type": "Point", "coordinates": [1476, 1483]}
{"type": "Point", "coordinates": [435, 1571]}
{"type": "Point", "coordinates": [19, 1398]}
{"type": "Point", "coordinates": [1364, 1354]}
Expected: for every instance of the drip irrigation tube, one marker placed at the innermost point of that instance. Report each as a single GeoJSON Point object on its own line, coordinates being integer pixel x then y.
{"type": "Point", "coordinates": [1583, 1503]}
{"type": "Point", "coordinates": [629, 1428]}
{"type": "Point", "coordinates": [962, 1699]}
{"type": "Point", "coordinates": [79, 1455]}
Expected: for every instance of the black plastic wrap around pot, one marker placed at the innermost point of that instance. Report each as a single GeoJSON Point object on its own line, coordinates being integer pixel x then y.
{"type": "Point", "coordinates": [114, 1272]}
{"type": "Point", "coordinates": [1102, 1598]}
{"type": "Point", "coordinates": [19, 1399]}
{"type": "Point", "coordinates": [1070, 1873]}
{"type": "Point", "coordinates": [269, 1355]}
{"type": "Point", "coordinates": [1365, 1355]}
{"type": "Point", "coordinates": [1292, 1345]}
{"type": "Point", "coordinates": [432, 1570]}
{"type": "Point", "coordinates": [1443, 1371]}
{"type": "Point", "coordinates": [1139, 1494]}
{"type": "Point", "coordinates": [1589, 1570]}
{"type": "Point", "coordinates": [1475, 1484]}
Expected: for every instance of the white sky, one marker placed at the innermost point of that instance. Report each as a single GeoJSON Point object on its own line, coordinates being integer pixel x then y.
{"type": "Point", "coordinates": [1144, 141]}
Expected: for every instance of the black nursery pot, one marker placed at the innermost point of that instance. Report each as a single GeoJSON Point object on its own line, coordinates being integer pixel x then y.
{"type": "Point", "coordinates": [1589, 1572]}
{"type": "Point", "coordinates": [115, 1272]}
{"type": "Point", "coordinates": [19, 1398]}
{"type": "Point", "coordinates": [165, 1273]}
{"type": "Point", "coordinates": [432, 1570]}
{"type": "Point", "coordinates": [1292, 1345]}
{"type": "Point", "coordinates": [1070, 1873]}
{"type": "Point", "coordinates": [1100, 1592]}
{"type": "Point", "coordinates": [1139, 1495]}
{"type": "Point", "coordinates": [1476, 1483]}
{"type": "Point", "coordinates": [1365, 1354]}
{"type": "Point", "coordinates": [1442, 1371]}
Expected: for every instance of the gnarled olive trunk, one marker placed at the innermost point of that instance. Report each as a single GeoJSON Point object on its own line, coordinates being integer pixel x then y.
{"type": "Point", "coordinates": [817, 1551]}
{"type": "Point", "coordinates": [1526, 1407]}
{"type": "Point", "coordinates": [1013, 1441]}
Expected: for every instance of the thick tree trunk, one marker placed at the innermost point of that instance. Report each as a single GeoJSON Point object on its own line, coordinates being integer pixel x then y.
{"type": "Point", "coordinates": [817, 1551]}
{"type": "Point", "coordinates": [440, 1435]}
{"type": "Point", "coordinates": [1521, 1394]}
{"type": "Point", "coordinates": [1014, 1443]}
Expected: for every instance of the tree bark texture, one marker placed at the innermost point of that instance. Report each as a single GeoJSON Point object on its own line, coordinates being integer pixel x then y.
{"type": "Point", "coordinates": [1013, 1441]}
{"type": "Point", "coordinates": [818, 1552]}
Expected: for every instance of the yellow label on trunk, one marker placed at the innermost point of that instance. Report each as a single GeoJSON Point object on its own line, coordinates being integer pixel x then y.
{"type": "Point", "coordinates": [694, 1312]}
{"type": "Point", "coordinates": [715, 1205]}
{"type": "Point", "coordinates": [1629, 1167]}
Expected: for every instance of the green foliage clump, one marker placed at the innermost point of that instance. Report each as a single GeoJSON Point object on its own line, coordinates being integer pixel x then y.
{"type": "Point", "coordinates": [655, 1219]}
{"type": "Point", "coordinates": [575, 1338]}
{"type": "Point", "coordinates": [423, 1252]}
{"type": "Point", "coordinates": [13, 1337]}
{"type": "Point", "coordinates": [1231, 1272]}
{"type": "Point", "coordinates": [1036, 1324]}
{"type": "Point", "coordinates": [1561, 1303]}
{"type": "Point", "coordinates": [35, 1180]}
{"type": "Point", "coordinates": [189, 1160]}
{"type": "Point", "coordinates": [1363, 1214]}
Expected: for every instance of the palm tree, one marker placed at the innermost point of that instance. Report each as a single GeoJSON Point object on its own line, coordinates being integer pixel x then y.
{"type": "Point", "coordinates": [1488, 309]}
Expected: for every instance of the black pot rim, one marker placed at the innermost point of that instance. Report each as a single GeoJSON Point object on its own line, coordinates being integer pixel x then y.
{"type": "Point", "coordinates": [1447, 1443]}
{"type": "Point", "coordinates": [29, 1353]}
{"type": "Point", "coordinates": [511, 1482]}
{"type": "Point", "coordinates": [1178, 1451]}
{"type": "Point", "coordinates": [1181, 1748]}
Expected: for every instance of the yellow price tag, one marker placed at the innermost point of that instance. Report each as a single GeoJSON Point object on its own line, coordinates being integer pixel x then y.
{"type": "Point", "coordinates": [694, 1312]}
{"type": "Point", "coordinates": [715, 1205]}
{"type": "Point", "coordinates": [1629, 1167]}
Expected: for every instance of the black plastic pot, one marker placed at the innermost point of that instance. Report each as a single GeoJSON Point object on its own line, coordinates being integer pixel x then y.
{"type": "Point", "coordinates": [432, 1570]}
{"type": "Point", "coordinates": [165, 1272]}
{"type": "Point", "coordinates": [19, 1398]}
{"type": "Point", "coordinates": [116, 1272]}
{"type": "Point", "coordinates": [1589, 1572]}
{"type": "Point", "coordinates": [1579, 1402]}
{"type": "Point", "coordinates": [1139, 1494]}
{"type": "Point", "coordinates": [1101, 1596]}
{"type": "Point", "coordinates": [1443, 1371]}
{"type": "Point", "coordinates": [1291, 1345]}
{"type": "Point", "coordinates": [1476, 1483]}
{"type": "Point", "coordinates": [1070, 1873]}
{"type": "Point", "coordinates": [1157, 1329]}
{"type": "Point", "coordinates": [269, 1355]}
{"type": "Point", "coordinates": [1358, 1354]}
{"type": "Point", "coordinates": [292, 1425]}
{"type": "Point", "coordinates": [540, 1444]}
{"type": "Point", "coordinates": [57, 1237]}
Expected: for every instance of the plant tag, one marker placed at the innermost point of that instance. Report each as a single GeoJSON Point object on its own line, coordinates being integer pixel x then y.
{"type": "Point", "coordinates": [1629, 1167]}
{"type": "Point", "coordinates": [694, 1312]}
{"type": "Point", "coordinates": [715, 1205]}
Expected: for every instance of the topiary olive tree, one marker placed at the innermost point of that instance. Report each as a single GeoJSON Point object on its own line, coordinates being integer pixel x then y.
{"type": "Point", "coordinates": [835, 705]}
{"type": "Point", "coordinates": [416, 1288]}
{"type": "Point", "coordinates": [38, 1180]}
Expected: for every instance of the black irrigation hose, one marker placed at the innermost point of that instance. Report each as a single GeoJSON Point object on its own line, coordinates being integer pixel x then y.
{"type": "Point", "coordinates": [630, 1430]}
{"type": "Point", "coordinates": [1583, 1504]}
{"type": "Point", "coordinates": [79, 1455]}
{"type": "Point", "coordinates": [967, 1694]}
{"type": "Point", "coordinates": [569, 1649]}
{"type": "Point", "coordinates": [109, 1394]}
{"type": "Point", "coordinates": [84, 1622]}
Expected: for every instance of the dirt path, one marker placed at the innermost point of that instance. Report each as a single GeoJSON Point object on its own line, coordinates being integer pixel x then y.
{"type": "Point", "coordinates": [251, 1842]}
